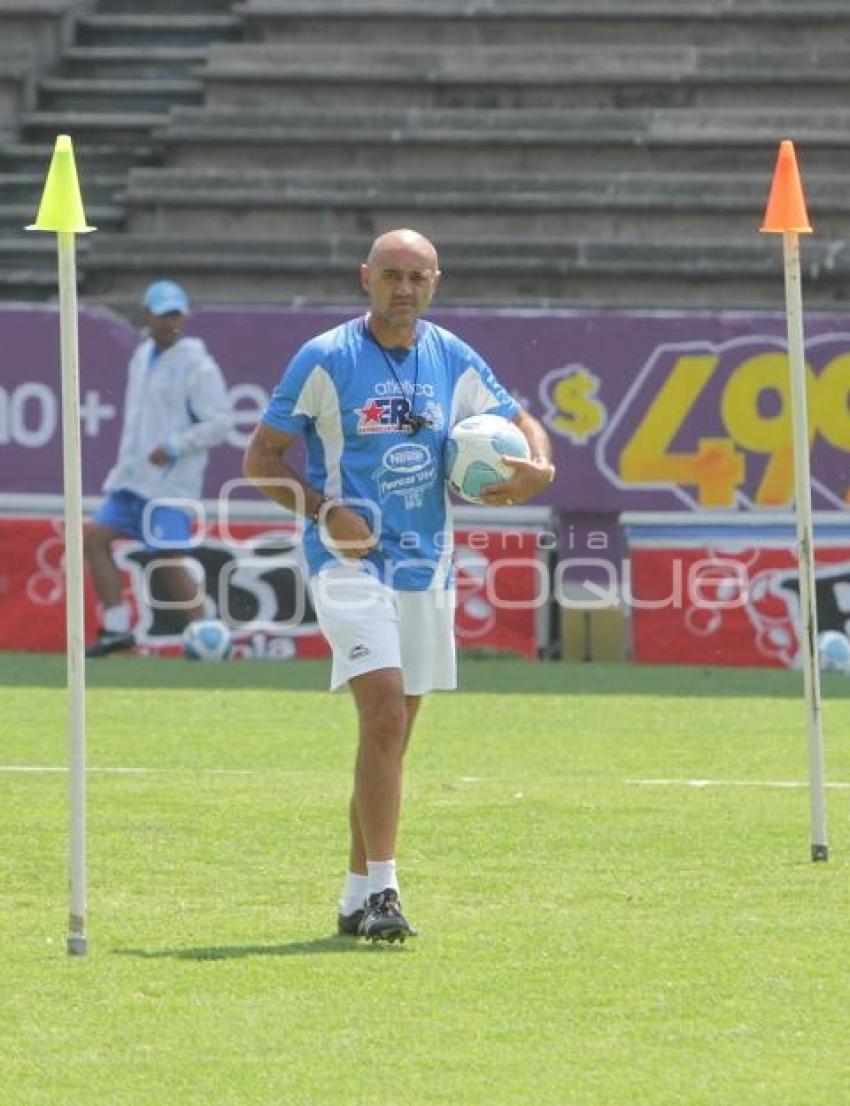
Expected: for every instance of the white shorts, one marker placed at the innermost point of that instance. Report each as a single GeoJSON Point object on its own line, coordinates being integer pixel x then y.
{"type": "Point", "coordinates": [370, 626]}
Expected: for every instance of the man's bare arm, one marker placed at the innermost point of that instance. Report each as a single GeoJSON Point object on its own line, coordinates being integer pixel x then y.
{"type": "Point", "coordinates": [265, 466]}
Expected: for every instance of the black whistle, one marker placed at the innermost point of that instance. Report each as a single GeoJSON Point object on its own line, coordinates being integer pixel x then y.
{"type": "Point", "coordinates": [416, 422]}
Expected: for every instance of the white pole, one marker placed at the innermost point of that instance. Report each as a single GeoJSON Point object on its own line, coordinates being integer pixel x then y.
{"type": "Point", "coordinates": [72, 460]}
{"type": "Point", "coordinates": [805, 543]}
{"type": "Point", "coordinates": [61, 212]}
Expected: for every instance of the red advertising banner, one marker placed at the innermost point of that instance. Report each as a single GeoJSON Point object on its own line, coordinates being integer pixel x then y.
{"type": "Point", "coordinates": [32, 586]}
{"type": "Point", "coordinates": [698, 595]}
{"type": "Point", "coordinates": [254, 578]}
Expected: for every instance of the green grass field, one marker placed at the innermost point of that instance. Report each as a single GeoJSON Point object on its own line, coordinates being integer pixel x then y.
{"type": "Point", "coordinates": [588, 938]}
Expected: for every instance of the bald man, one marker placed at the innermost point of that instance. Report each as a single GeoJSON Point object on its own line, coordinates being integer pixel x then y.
{"type": "Point", "coordinates": [375, 399]}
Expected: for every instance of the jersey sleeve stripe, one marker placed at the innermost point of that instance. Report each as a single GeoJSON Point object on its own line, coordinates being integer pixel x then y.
{"type": "Point", "coordinates": [318, 399]}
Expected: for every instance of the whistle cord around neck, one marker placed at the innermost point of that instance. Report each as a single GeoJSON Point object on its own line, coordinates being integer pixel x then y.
{"type": "Point", "coordinates": [416, 422]}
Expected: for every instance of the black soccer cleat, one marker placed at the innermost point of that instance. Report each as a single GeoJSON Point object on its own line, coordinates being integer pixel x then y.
{"type": "Point", "coordinates": [109, 642]}
{"type": "Point", "coordinates": [383, 919]}
{"type": "Point", "coordinates": [348, 925]}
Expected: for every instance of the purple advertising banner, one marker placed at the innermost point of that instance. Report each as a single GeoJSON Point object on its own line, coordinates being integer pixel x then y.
{"type": "Point", "coordinates": [647, 410]}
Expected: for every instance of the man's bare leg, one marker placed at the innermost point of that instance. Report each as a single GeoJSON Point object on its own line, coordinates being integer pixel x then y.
{"type": "Point", "coordinates": [386, 719]}
{"type": "Point", "coordinates": [183, 588]}
{"type": "Point", "coordinates": [105, 574]}
{"type": "Point", "coordinates": [357, 855]}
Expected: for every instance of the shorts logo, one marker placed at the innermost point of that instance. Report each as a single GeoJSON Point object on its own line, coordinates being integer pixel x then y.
{"type": "Point", "coordinates": [357, 651]}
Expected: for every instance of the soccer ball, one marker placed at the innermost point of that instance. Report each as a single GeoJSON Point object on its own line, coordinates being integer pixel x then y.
{"type": "Point", "coordinates": [834, 652]}
{"type": "Point", "coordinates": [474, 450]}
{"type": "Point", "coordinates": [207, 640]}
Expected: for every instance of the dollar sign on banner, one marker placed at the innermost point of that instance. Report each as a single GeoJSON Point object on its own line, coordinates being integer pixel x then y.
{"type": "Point", "coordinates": [571, 407]}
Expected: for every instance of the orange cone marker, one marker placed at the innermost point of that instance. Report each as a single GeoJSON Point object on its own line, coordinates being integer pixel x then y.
{"type": "Point", "coordinates": [786, 214]}
{"type": "Point", "coordinates": [786, 204]}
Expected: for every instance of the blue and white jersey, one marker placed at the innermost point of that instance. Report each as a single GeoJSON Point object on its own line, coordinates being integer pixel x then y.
{"type": "Point", "coordinates": [349, 398]}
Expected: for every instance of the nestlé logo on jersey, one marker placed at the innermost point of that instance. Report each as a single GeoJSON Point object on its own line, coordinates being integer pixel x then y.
{"type": "Point", "coordinates": [408, 470]}
{"type": "Point", "coordinates": [406, 458]}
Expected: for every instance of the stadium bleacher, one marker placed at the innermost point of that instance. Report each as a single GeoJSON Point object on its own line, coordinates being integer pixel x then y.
{"type": "Point", "coordinates": [560, 152]}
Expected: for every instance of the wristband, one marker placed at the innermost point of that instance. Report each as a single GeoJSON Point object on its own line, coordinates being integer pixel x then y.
{"type": "Point", "coordinates": [325, 504]}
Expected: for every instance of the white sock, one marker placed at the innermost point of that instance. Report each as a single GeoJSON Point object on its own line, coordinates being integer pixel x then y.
{"type": "Point", "coordinates": [354, 893]}
{"type": "Point", "coordinates": [381, 876]}
{"type": "Point", "coordinates": [116, 620]}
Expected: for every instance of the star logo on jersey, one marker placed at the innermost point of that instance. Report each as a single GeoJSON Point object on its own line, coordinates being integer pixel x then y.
{"type": "Point", "coordinates": [372, 412]}
{"type": "Point", "coordinates": [383, 415]}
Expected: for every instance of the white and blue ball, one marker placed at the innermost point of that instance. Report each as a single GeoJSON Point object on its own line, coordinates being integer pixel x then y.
{"type": "Point", "coordinates": [834, 652]}
{"type": "Point", "coordinates": [207, 640]}
{"type": "Point", "coordinates": [474, 451]}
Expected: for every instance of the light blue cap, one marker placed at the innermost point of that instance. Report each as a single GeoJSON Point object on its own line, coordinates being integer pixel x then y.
{"type": "Point", "coordinates": [164, 296]}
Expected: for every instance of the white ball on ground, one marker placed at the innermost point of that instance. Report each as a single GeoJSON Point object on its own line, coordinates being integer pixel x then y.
{"type": "Point", "coordinates": [834, 652]}
{"type": "Point", "coordinates": [207, 639]}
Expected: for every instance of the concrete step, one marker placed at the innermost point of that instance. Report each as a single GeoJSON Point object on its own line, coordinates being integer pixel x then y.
{"type": "Point", "coordinates": [130, 129]}
{"type": "Point", "coordinates": [156, 29]}
{"type": "Point", "coordinates": [520, 76]}
{"type": "Point", "coordinates": [111, 95]}
{"type": "Point", "coordinates": [541, 273]}
{"type": "Point", "coordinates": [28, 265]}
{"type": "Point", "coordinates": [25, 285]}
{"type": "Point", "coordinates": [441, 221]}
{"type": "Point", "coordinates": [17, 88]}
{"type": "Point", "coordinates": [279, 253]}
{"type": "Point", "coordinates": [643, 191]}
{"type": "Point", "coordinates": [615, 205]}
{"type": "Point", "coordinates": [29, 247]}
{"type": "Point", "coordinates": [527, 63]}
{"type": "Point", "coordinates": [166, 7]}
{"type": "Point", "coordinates": [132, 62]}
{"type": "Point", "coordinates": [91, 158]}
{"type": "Point", "coordinates": [24, 188]}
{"type": "Point", "coordinates": [521, 125]}
{"type": "Point", "coordinates": [17, 216]}
{"type": "Point", "coordinates": [510, 140]}
{"type": "Point", "coordinates": [391, 22]}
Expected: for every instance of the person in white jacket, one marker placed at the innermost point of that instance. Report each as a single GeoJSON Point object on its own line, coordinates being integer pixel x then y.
{"type": "Point", "coordinates": [176, 409]}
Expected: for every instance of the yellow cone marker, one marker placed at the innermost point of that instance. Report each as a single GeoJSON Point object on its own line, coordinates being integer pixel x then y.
{"type": "Point", "coordinates": [61, 207]}
{"type": "Point", "coordinates": [61, 212]}
{"type": "Point", "coordinates": [786, 214]}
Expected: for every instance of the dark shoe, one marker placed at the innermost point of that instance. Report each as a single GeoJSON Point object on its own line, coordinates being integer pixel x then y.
{"type": "Point", "coordinates": [109, 642]}
{"type": "Point", "coordinates": [383, 920]}
{"type": "Point", "coordinates": [348, 925]}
